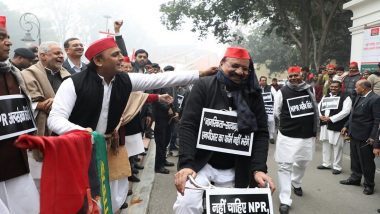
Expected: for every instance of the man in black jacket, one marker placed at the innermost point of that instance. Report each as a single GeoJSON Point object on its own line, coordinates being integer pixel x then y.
{"type": "Point", "coordinates": [362, 127]}
{"type": "Point", "coordinates": [234, 87]}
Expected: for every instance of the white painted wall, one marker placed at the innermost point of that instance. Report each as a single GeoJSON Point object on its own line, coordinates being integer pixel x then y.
{"type": "Point", "coordinates": [366, 13]}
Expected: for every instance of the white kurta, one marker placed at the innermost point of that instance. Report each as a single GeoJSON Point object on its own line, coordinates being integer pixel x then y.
{"type": "Point", "coordinates": [20, 195]}
{"type": "Point", "coordinates": [289, 149]}
{"type": "Point", "coordinates": [333, 136]}
{"type": "Point", "coordinates": [134, 144]}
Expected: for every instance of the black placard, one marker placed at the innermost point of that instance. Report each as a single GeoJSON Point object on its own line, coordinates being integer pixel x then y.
{"type": "Point", "coordinates": [16, 117]}
{"type": "Point", "coordinates": [218, 132]}
{"type": "Point", "coordinates": [300, 106]}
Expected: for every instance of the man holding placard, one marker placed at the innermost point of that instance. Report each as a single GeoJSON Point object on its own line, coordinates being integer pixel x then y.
{"type": "Point", "coordinates": [297, 110]}
{"type": "Point", "coordinates": [223, 134]}
{"type": "Point", "coordinates": [334, 110]}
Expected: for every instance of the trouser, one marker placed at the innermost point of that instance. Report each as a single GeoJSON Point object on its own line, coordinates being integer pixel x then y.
{"type": "Point", "coordinates": [173, 135]}
{"type": "Point", "coordinates": [337, 152]}
{"type": "Point", "coordinates": [161, 137]}
{"type": "Point", "coordinates": [290, 174]}
{"type": "Point", "coordinates": [362, 162]}
{"type": "Point", "coordinates": [119, 193]}
{"type": "Point", "coordinates": [191, 201]}
{"type": "Point", "coordinates": [20, 195]}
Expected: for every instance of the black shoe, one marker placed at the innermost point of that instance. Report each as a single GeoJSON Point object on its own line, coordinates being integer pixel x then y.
{"type": "Point", "coordinates": [124, 206]}
{"type": "Point", "coordinates": [137, 159]}
{"type": "Point", "coordinates": [129, 192]}
{"type": "Point", "coordinates": [162, 170]}
{"type": "Point", "coordinates": [167, 163]}
{"type": "Point", "coordinates": [322, 167]}
{"type": "Point", "coordinates": [284, 209]}
{"type": "Point", "coordinates": [138, 166]}
{"type": "Point", "coordinates": [271, 141]}
{"type": "Point", "coordinates": [143, 154]}
{"type": "Point", "coordinates": [336, 172]}
{"type": "Point", "coordinates": [349, 181]}
{"type": "Point", "coordinates": [135, 171]}
{"type": "Point", "coordinates": [297, 191]}
{"type": "Point", "coordinates": [146, 149]}
{"type": "Point", "coordinates": [368, 190]}
{"type": "Point", "coordinates": [133, 178]}
{"type": "Point", "coordinates": [378, 210]}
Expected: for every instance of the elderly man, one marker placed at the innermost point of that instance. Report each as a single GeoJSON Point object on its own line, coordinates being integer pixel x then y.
{"type": "Point", "coordinates": [106, 89]}
{"type": "Point", "coordinates": [362, 127]}
{"type": "Point", "coordinates": [74, 51]}
{"type": "Point", "coordinates": [235, 87]}
{"type": "Point", "coordinates": [18, 193]}
{"type": "Point", "coordinates": [297, 110]}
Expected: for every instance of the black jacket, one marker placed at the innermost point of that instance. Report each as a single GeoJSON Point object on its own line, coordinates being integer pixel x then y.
{"type": "Point", "coordinates": [209, 93]}
{"type": "Point", "coordinates": [365, 117]}
{"type": "Point", "coordinates": [67, 66]}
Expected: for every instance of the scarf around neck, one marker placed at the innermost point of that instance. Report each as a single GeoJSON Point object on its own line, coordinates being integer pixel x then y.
{"type": "Point", "coordinates": [5, 66]}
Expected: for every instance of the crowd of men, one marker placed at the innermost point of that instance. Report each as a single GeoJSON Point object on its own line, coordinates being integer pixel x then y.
{"type": "Point", "coordinates": [120, 99]}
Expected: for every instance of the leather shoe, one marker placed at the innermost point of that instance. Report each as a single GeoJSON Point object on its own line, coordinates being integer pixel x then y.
{"type": "Point", "coordinates": [368, 190]}
{"type": "Point", "coordinates": [336, 172]}
{"type": "Point", "coordinates": [322, 167]}
{"type": "Point", "coordinates": [138, 166]}
{"type": "Point", "coordinates": [143, 154]}
{"type": "Point", "coordinates": [124, 206]}
{"type": "Point", "coordinates": [378, 210]}
{"type": "Point", "coordinates": [135, 171]}
{"type": "Point", "coordinates": [349, 181]}
{"type": "Point", "coordinates": [298, 191]}
{"type": "Point", "coordinates": [284, 209]}
{"type": "Point", "coordinates": [129, 192]}
{"type": "Point", "coordinates": [167, 163]}
{"type": "Point", "coordinates": [133, 178]}
{"type": "Point", "coordinates": [162, 170]}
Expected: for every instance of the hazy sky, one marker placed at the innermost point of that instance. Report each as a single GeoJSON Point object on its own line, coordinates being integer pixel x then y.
{"type": "Point", "coordinates": [142, 26]}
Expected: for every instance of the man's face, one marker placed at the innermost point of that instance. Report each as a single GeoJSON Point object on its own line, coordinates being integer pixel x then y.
{"type": "Point", "coordinates": [366, 74]}
{"type": "Point", "coordinates": [111, 61]}
{"type": "Point", "coordinates": [353, 68]}
{"type": "Point", "coordinates": [331, 71]}
{"type": "Point", "coordinates": [335, 88]}
{"type": "Point", "coordinates": [263, 82]}
{"type": "Point", "coordinates": [53, 59]}
{"type": "Point", "coordinates": [5, 44]}
{"type": "Point", "coordinates": [235, 69]}
{"type": "Point", "coordinates": [274, 82]}
{"type": "Point", "coordinates": [295, 78]}
{"type": "Point", "coordinates": [75, 49]}
{"type": "Point", "coordinates": [359, 89]}
{"type": "Point", "coordinates": [126, 67]}
{"type": "Point", "coordinates": [142, 59]}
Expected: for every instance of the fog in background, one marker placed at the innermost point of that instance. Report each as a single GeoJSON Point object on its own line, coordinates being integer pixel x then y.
{"type": "Point", "coordinates": [142, 28]}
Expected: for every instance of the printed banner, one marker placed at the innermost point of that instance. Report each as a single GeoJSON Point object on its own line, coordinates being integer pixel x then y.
{"type": "Point", "coordinates": [102, 166]}
{"type": "Point", "coordinates": [330, 103]}
{"type": "Point", "coordinates": [234, 200]}
{"type": "Point", "coordinates": [180, 99]}
{"type": "Point", "coordinates": [269, 109]}
{"type": "Point", "coordinates": [267, 97]}
{"type": "Point", "coordinates": [300, 106]}
{"type": "Point", "coordinates": [371, 49]}
{"type": "Point", "coordinates": [16, 117]}
{"type": "Point", "coordinates": [218, 132]}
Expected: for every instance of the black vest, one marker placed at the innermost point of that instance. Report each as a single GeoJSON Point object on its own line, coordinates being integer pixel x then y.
{"type": "Point", "coordinates": [339, 124]}
{"type": "Point", "coordinates": [349, 86]}
{"type": "Point", "coordinates": [89, 90]}
{"type": "Point", "coordinates": [299, 127]}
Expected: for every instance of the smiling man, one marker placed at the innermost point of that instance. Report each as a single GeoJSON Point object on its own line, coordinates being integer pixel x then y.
{"type": "Point", "coordinates": [234, 87]}
{"type": "Point", "coordinates": [43, 80]}
{"type": "Point", "coordinates": [297, 110]}
{"type": "Point", "coordinates": [74, 50]}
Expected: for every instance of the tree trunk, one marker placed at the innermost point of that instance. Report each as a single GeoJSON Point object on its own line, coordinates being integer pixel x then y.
{"type": "Point", "coordinates": [305, 14]}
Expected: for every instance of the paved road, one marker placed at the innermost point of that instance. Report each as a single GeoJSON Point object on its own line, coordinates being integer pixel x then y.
{"type": "Point", "coordinates": [322, 191]}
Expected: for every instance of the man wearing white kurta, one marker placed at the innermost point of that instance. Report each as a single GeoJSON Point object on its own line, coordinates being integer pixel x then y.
{"type": "Point", "coordinates": [334, 110]}
{"type": "Point", "coordinates": [95, 98]}
{"type": "Point", "coordinates": [296, 108]}
{"type": "Point", "coordinates": [268, 93]}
